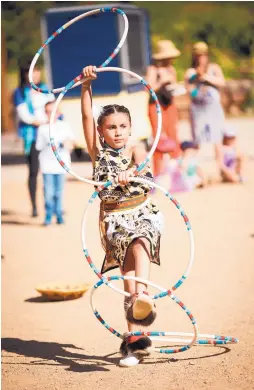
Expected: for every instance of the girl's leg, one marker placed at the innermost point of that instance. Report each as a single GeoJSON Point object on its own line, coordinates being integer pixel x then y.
{"type": "Point", "coordinates": [139, 309]}
{"type": "Point", "coordinates": [141, 254]}
{"type": "Point", "coordinates": [58, 196]}
{"type": "Point", "coordinates": [229, 175]}
{"type": "Point", "coordinates": [48, 187]}
{"type": "Point", "coordinates": [239, 165]}
{"type": "Point", "coordinates": [137, 262]}
{"type": "Point", "coordinates": [129, 285]}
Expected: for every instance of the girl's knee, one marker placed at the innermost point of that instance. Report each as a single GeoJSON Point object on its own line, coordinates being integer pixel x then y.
{"type": "Point", "coordinates": [141, 242]}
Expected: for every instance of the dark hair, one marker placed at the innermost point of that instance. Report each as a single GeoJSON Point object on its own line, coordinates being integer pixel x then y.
{"type": "Point", "coordinates": [188, 145]}
{"type": "Point", "coordinates": [48, 104]}
{"type": "Point", "coordinates": [23, 72]}
{"type": "Point", "coordinates": [111, 109]}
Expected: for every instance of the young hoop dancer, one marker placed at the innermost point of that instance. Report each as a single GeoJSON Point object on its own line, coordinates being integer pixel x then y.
{"type": "Point", "coordinates": [130, 224]}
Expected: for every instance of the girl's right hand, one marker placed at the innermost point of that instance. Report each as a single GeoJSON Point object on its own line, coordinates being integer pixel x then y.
{"type": "Point", "coordinates": [124, 177]}
{"type": "Point", "coordinates": [90, 72]}
{"type": "Point", "coordinates": [37, 123]}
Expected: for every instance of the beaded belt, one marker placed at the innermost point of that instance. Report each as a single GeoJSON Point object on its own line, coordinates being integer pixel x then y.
{"type": "Point", "coordinates": [124, 204]}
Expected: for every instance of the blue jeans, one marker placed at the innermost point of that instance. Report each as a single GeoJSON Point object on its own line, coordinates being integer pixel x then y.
{"type": "Point", "coordinates": [53, 195]}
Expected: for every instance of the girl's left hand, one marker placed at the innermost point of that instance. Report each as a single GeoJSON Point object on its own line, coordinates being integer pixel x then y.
{"type": "Point", "coordinates": [124, 177]}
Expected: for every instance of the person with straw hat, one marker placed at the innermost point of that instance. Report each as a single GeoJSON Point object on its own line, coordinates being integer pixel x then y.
{"type": "Point", "coordinates": [203, 81]}
{"type": "Point", "coordinates": [161, 75]}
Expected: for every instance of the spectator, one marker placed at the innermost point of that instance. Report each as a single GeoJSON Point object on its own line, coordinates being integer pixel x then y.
{"type": "Point", "coordinates": [231, 170]}
{"type": "Point", "coordinates": [53, 173]}
{"type": "Point", "coordinates": [186, 173]}
{"type": "Point", "coordinates": [161, 75]}
{"type": "Point", "coordinates": [30, 112]}
{"type": "Point", "coordinates": [203, 80]}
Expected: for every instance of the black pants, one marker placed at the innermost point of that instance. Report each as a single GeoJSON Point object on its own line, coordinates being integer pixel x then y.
{"type": "Point", "coordinates": [33, 164]}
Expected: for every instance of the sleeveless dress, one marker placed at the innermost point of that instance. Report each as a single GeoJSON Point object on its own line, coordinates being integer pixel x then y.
{"type": "Point", "coordinates": [206, 112]}
{"type": "Point", "coordinates": [229, 157]}
{"type": "Point", "coordinates": [120, 228]}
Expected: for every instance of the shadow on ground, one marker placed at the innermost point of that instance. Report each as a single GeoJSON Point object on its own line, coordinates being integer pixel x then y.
{"type": "Point", "coordinates": [17, 223]}
{"type": "Point", "coordinates": [10, 217]}
{"type": "Point", "coordinates": [5, 212]}
{"type": "Point", "coordinates": [41, 299]}
{"type": "Point", "coordinates": [77, 155]}
{"type": "Point", "coordinates": [50, 353]}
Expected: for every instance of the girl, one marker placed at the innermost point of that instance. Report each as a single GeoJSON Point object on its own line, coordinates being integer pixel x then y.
{"type": "Point", "coordinates": [186, 174]}
{"type": "Point", "coordinates": [203, 81]}
{"type": "Point", "coordinates": [130, 224]}
{"type": "Point", "coordinates": [231, 170]}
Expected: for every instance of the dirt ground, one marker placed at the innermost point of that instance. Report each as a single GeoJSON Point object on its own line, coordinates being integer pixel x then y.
{"type": "Point", "coordinates": [61, 345]}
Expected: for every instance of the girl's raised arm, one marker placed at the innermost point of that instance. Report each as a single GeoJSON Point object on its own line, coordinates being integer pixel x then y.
{"type": "Point", "coordinates": [87, 113]}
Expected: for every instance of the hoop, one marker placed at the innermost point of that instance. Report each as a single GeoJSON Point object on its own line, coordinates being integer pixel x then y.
{"type": "Point", "coordinates": [70, 85]}
{"type": "Point", "coordinates": [77, 80]}
{"type": "Point", "coordinates": [186, 221]}
{"type": "Point", "coordinates": [203, 338]}
{"type": "Point", "coordinates": [196, 338]}
{"type": "Point", "coordinates": [190, 343]}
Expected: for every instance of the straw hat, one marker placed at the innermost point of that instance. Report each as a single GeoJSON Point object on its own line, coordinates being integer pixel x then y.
{"type": "Point", "coordinates": [166, 49]}
{"type": "Point", "coordinates": [200, 48]}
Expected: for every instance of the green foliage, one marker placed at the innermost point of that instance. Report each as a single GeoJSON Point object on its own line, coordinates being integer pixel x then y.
{"type": "Point", "coordinates": [228, 28]}
{"type": "Point", "coordinates": [21, 25]}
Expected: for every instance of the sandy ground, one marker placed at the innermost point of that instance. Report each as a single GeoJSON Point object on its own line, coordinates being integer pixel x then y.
{"type": "Point", "coordinates": [61, 345]}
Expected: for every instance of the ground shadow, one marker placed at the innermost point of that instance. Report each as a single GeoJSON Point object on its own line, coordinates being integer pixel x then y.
{"type": "Point", "coordinates": [77, 155]}
{"type": "Point", "coordinates": [44, 299]}
{"type": "Point", "coordinates": [223, 349]}
{"type": "Point", "coordinates": [51, 353]}
{"type": "Point", "coordinates": [18, 223]}
{"type": "Point", "coordinates": [5, 212]}
{"type": "Point", "coordinates": [41, 299]}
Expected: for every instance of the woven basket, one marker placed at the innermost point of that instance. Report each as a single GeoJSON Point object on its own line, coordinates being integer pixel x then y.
{"type": "Point", "coordinates": [57, 292]}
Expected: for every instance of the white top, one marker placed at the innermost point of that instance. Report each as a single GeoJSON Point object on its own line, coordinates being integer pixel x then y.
{"type": "Point", "coordinates": [39, 100]}
{"type": "Point", "coordinates": [61, 132]}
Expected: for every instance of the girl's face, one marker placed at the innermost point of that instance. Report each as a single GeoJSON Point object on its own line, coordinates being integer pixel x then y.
{"type": "Point", "coordinates": [229, 141]}
{"type": "Point", "coordinates": [115, 129]}
{"type": "Point", "coordinates": [36, 76]}
{"type": "Point", "coordinates": [48, 110]}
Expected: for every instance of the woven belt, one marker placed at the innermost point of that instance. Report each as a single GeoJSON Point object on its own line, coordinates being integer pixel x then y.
{"type": "Point", "coordinates": [124, 204]}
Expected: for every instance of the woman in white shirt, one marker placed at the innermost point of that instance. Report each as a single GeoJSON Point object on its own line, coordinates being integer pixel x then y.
{"type": "Point", "coordinates": [30, 113]}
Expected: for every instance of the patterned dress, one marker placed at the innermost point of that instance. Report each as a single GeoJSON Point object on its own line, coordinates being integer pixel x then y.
{"type": "Point", "coordinates": [120, 228]}
{"type": "Point", "coordinates": [207, 116]}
